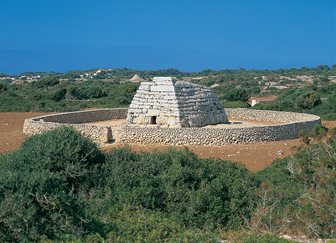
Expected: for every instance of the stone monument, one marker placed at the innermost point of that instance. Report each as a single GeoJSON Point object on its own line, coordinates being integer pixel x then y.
{"type": "Point", "coordinates": [167, 103]}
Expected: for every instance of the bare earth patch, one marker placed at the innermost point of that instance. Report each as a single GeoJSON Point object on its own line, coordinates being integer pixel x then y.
{"type": "Point", "coordinates": [329, 124]}
{"type": "Point", "coordinates": [254, 156]}
{"type": "Point", "coordinates": [11, 124]}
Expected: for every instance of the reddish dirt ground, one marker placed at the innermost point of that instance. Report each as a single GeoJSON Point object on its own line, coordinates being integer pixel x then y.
{"type": "Point", "coordinates": [329, 124]}
{"type": "Point", "coordinates": [11, 124]}
{"type": "Point", "coordinates": [254, 156]}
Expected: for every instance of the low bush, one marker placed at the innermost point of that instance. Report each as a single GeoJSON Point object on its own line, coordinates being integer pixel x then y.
{"type": "Point", "coordinates": [235, 104]}
{"type": "Point", "coordinates": [50, 95]}
{"type": "Point", "coordinates": [297, 195]}
{"type": "Point", "coordinates": [46, 82]}
{"type": "Point", "coordinates": [58, 185]}
{"type": "Point", "coordinates": [40, 184]}
{"type": "Point", "coordinates": [89, 92]}
{"type": "Point", "coordinates": [3, 87]}
{"type": "Point", "coordinates": [59, 95]}
{"type": "Point", "coordinates": [197, 193]}
{"type": "Point", "coordinates": [236, 94]}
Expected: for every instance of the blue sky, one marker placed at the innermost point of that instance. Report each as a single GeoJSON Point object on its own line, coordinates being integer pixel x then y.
{"type": "Point", "coordinates": [191, 35]}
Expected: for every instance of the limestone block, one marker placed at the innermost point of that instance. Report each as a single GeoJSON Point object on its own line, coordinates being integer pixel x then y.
{"type": "Point", "coordinates": [162, 79]}
{"type": "Point", "coordinates": [172, 121]}
{"type": "Point", "coordinates": [146, 83]}
{"type": "Point", "coordinates": [153, 112]}
{"type": "Point", "coordinates": [162, 88]}
{"type": "Point", "coordinates": [147, 120]}
{"type": "Point", "coordinates": [140, 119]}
{"type": "Point", "coordinates": [144, 87]}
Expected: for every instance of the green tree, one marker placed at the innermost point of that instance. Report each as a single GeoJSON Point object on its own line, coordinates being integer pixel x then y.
{"type": "Point", "coordinates": [324, 80]}
{"type": "Point", "coordinates": [46, 82]}
{"type": "Point", "coordinates": [307, 101]}
{"type": "Point", "coordinates": [236, 94]}
{"type": "Point", "coordinates": [3, 87]}
{"type": "Point", "coordinates": [58, 95]}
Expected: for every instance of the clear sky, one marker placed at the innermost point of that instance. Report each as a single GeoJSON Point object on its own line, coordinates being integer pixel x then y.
{"type": "Point", "coordinates": [191, 35]}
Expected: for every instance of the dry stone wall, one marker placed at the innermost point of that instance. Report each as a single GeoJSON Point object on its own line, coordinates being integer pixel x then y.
{"type": "Point", "coordinates": [99, 134]}
{"type": "Point", "coordinates": [287, 126]}
{"type": "Point", "coordinates": [268, 116]}
{"type": "Point", "coordinates": [79, 117]}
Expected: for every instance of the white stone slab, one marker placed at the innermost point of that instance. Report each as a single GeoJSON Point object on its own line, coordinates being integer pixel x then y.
{"type": "Point", "coordinates": [162, 79]}
{"type": "Point", "coordinates": [162, 88]}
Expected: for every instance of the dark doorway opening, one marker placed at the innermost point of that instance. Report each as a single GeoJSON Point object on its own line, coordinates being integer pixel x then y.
{"type": "Point", "coordinates": [153, 120]}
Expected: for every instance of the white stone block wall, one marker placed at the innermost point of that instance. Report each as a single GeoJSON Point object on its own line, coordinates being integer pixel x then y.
{"type": "Point", "coordinates": [175, 104]}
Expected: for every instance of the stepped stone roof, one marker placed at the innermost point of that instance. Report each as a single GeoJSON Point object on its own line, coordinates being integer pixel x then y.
{"type": "Point", "coordinates": [136, 78]}
{"type": "Point", "coordinates": [167, 103]}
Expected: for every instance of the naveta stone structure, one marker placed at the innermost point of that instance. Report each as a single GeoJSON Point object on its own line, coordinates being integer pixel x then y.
{"type": "Point", "coordinates": [167, 103]}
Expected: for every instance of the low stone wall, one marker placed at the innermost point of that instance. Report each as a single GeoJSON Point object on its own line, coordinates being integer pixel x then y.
{"type": "Point", "coordinates": [288, 127]}
{"type": "Point", "coordinates": [79, 117]}
{"type": "Point", "coordinates": [99, 134]}
{"type": "Point", "coordinates": [268, 116]}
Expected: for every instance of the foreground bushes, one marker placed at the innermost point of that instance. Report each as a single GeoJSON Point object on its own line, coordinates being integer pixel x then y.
{"type": "Point", "coordinates": [298, 195]}
{"type": "Point", "coordinates": [59, 185]}
{"type": "Point", "coordinates": [40, 186]}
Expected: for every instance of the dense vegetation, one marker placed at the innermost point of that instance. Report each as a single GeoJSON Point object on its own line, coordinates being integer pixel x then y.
{"type": "Point", "coordinates": [298, 195]}
{"type": "Point", "coordinates": [319, 99]}
{"type": "Point", "coordinates": [77, 90]}
{"type": "Point", "coordinates": [59, 185]}
{"type": "Point", "coordinates": [51, 94]}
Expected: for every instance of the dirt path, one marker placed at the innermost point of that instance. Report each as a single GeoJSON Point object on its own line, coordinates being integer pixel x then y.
{"type": "Point", "coordinates": [254, 156]}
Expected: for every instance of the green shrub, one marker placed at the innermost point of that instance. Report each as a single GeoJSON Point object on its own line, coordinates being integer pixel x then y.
{"type": "Point", "coordinates": [235, 104]}
{"type": "Point", "coordinates": [134, 224]}
{"type": "Point", "coordinates": [3, 87]}
{"type": "Point", "coordinates": [236, 94]}
{"type": "Point", "coordinates": [307, 101]}
{"type": "Point", "coordinates": [197, 193]}
{"type": "Point", "coordinates": [58, 95]}
{"type": "Point", "coordinates": [297, 194]}
{"type": "Point", "coordinates": [46, 82]}
{"type": "Point", "coordinates": [40, 183]}
{"type": "Point", "coordinates": [58, 185]}
{"type": "Point", "coordinates": [89, 92]}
